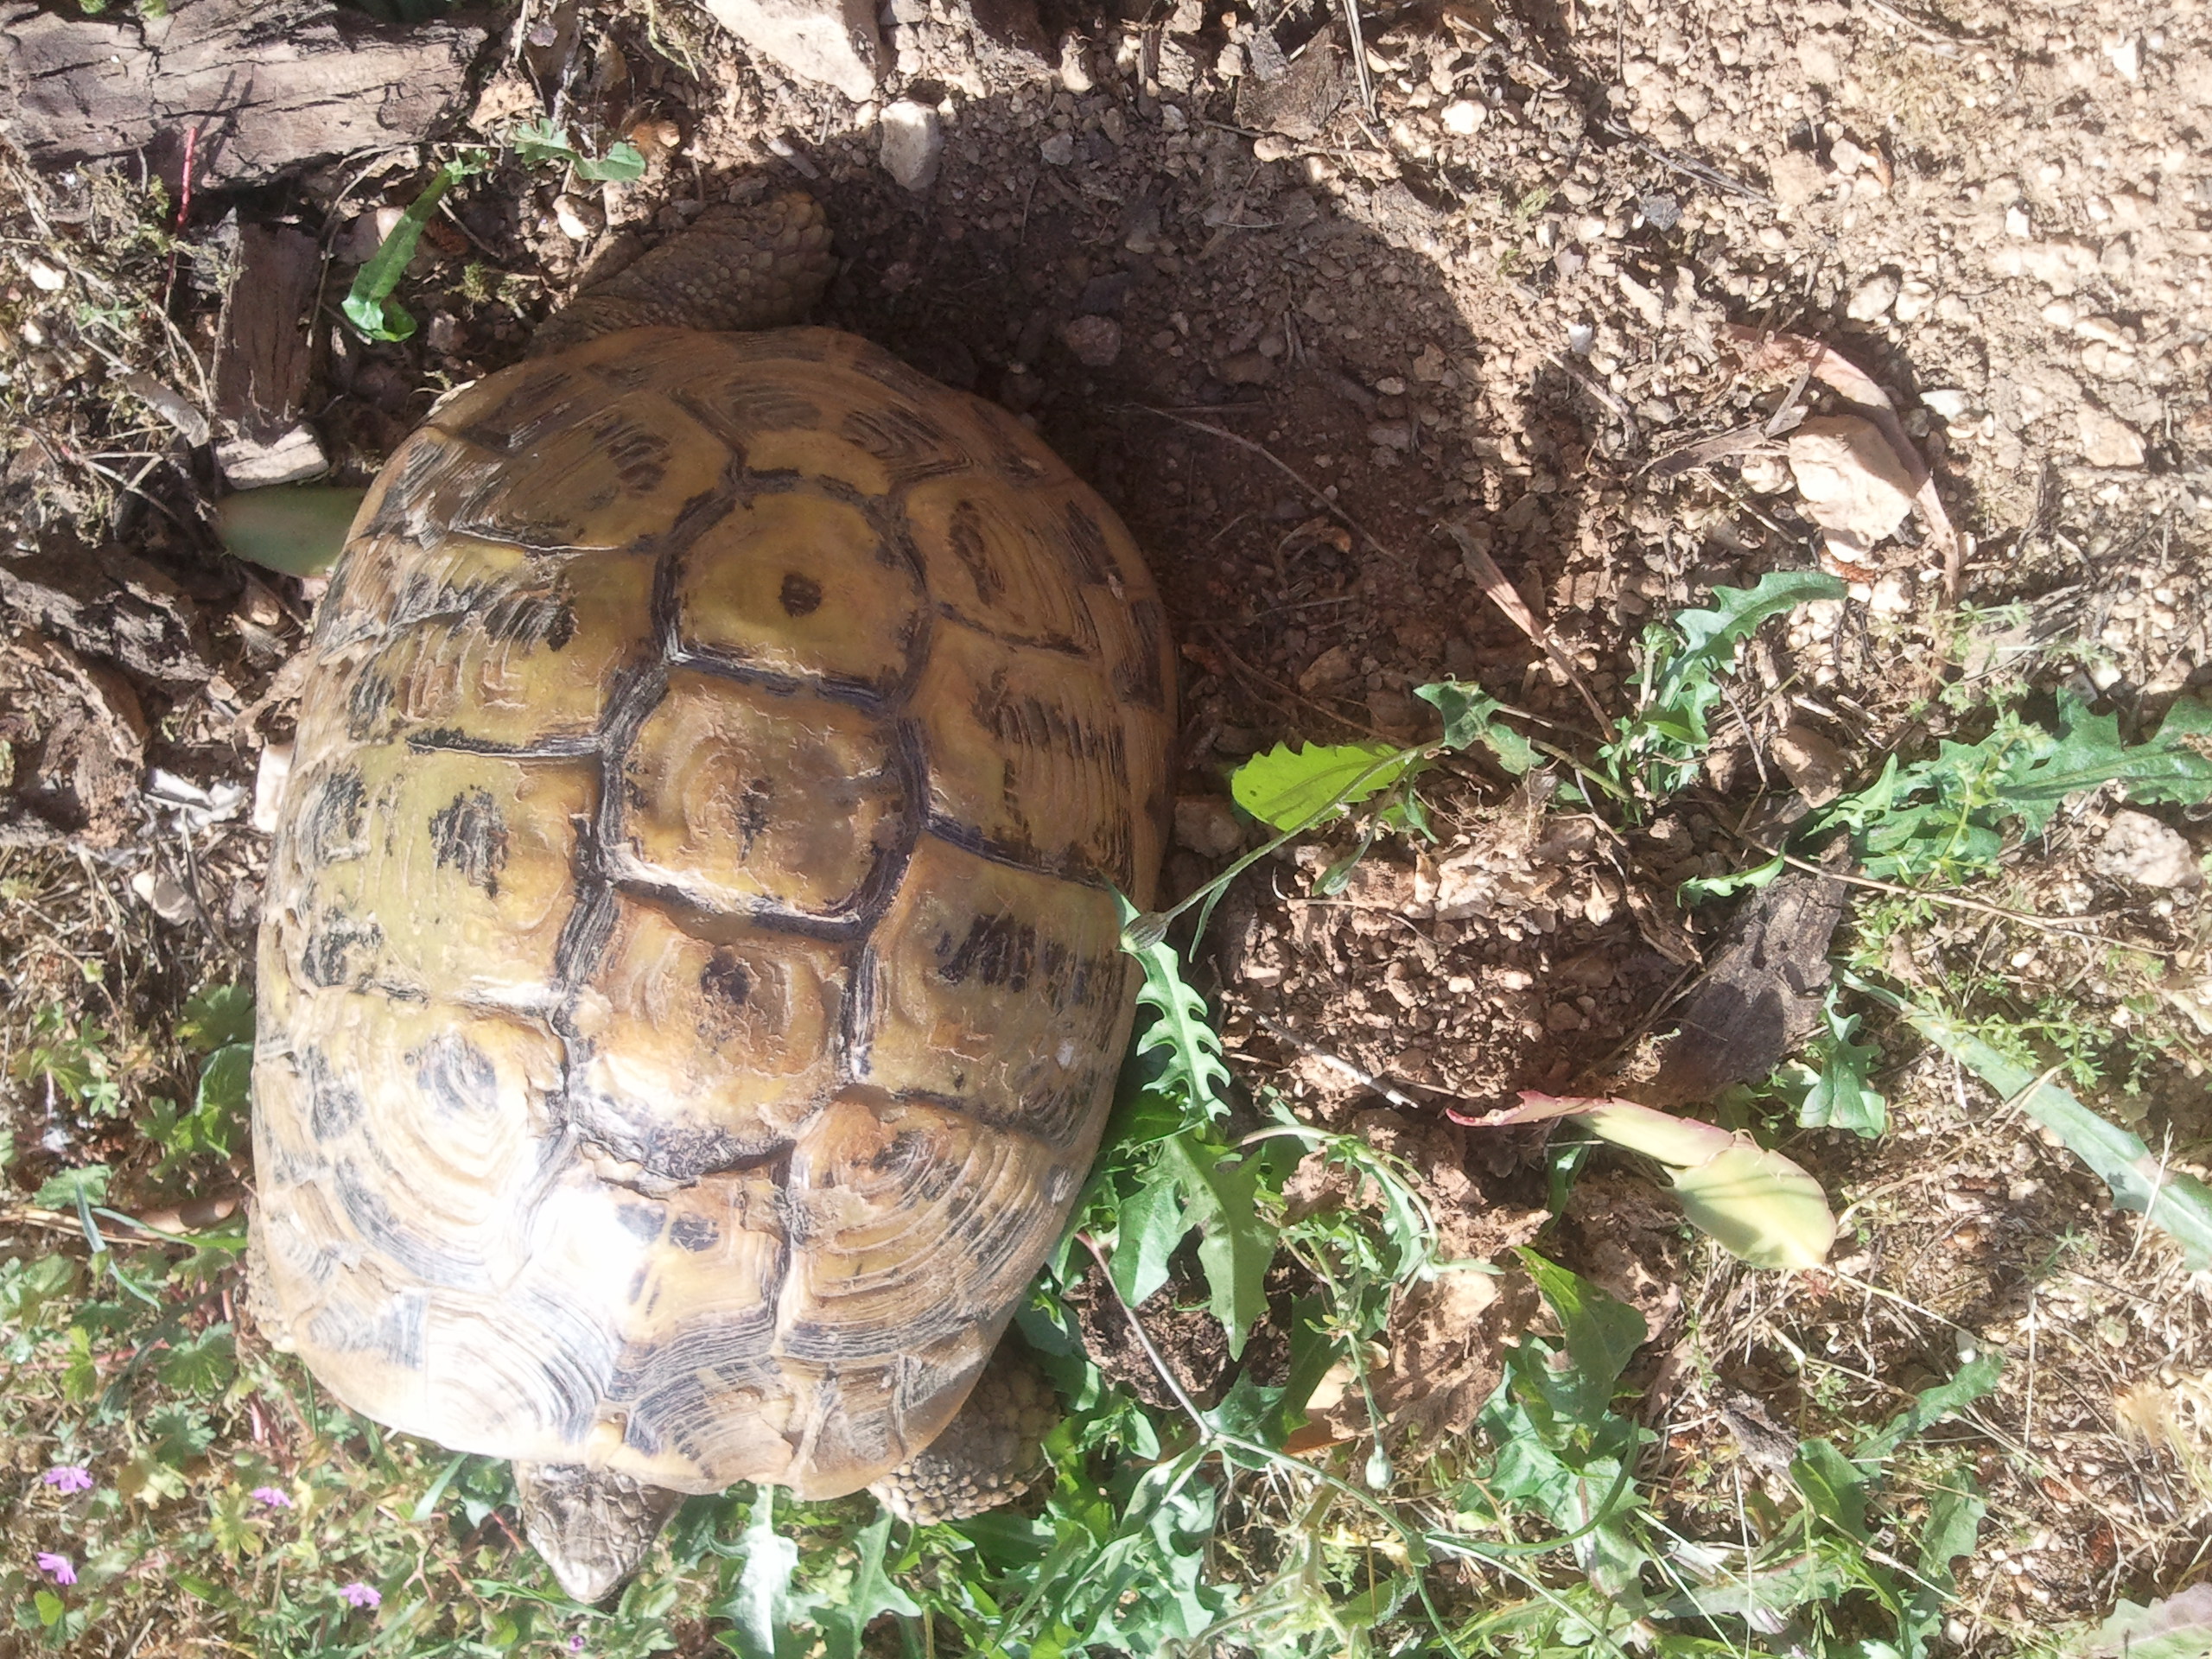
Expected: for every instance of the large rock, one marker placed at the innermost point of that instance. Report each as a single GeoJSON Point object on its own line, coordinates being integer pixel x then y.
{"type": "Point", "coordinates": [833, 41]}
{"type": "Point", "coordinates": [265, 85]}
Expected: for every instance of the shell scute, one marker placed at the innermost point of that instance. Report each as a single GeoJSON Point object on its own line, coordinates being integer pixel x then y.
{"type": "Point", "coordinates": [791, 585]}
{"type": "Point", "coordinates": [785, 805]}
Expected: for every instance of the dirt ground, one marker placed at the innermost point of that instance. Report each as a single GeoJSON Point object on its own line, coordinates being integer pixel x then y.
{"type": "Point", "coordinates": [1323, 354]}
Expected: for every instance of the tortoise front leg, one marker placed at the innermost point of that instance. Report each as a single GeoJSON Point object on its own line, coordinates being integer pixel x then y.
{"type": "Point", "coordinates": [731, 270]}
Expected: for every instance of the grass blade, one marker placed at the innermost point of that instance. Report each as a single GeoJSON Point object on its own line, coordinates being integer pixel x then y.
{"type": "Point", "coordinates": [369, 306]}
{"type": "Point", "coordinates": [2177, 1204]}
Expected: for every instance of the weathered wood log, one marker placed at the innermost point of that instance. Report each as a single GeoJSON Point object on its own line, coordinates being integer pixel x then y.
{"type": "Point", "coordinates": [262, 358]}
{"type": "Point", "coordinates": [266, 84]}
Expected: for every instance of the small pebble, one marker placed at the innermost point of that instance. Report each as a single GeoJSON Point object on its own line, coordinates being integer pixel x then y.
{"type": "Point", "coordinates": [1245, 369]}
{"type": "Point", "coordinates": [2106, 441]}
{"type": "Point", "coordinates": [46, 277]}
{"type": "Point", "coordinates": [1096, 341]}
{"type": "Point", "coordinates": [912, 144]}
{"type": "Point", "coordinates": [1872, 297]}
{"type": "Point", "coordinates": [1795, 178]}
{"type": "Point", "coordinates": [1058, 149]}
{"type": "Point", "coordinates": [1949, 402]}
{"type": "Point", "coordinates": [2138, 847]}
{"type": "Point", "coordinates": [1462, 116]}
{"type": "Point", "coordinates": [1815, 767]}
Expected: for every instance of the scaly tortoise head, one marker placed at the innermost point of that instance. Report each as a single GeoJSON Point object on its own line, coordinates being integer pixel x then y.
{"type": "Point", "coordinates": [690, 985]}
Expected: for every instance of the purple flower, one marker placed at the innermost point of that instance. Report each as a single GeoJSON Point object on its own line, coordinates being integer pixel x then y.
{"type": "Point", "coordinates": [59, 1567]}
{"type": "Point", "coordinates": [358, 1594]}
{"type": "Point", "coordinates": [270, 1498]}
{"type": "Point", "coordinates": [577, 1643]}
{"type": "Point", "coordinates": [65, 1477]}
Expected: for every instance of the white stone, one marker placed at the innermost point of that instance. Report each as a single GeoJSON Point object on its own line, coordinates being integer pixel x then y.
{"type": "Point", "coordinates": [1464, 116]}
{"type": "Point", "coordinates": [268, 780]}
{"type": "Point", "coordinates": [2106, 442]}
{"type": "Point", "coordinates": [1949, 402]}
{"type": "Point", "coordinates": [569, 213]}
{"type": "Point", "coordinates": [2017, 223]}
{"type": "Point", "coordinates": [1075, 67]}
{"type": "Point", "coordinates": [1872, 297]}
{"type": "Point", "coordinates": [2126, 56]}
{"type": "Point", "coordinates": [913, 143]}
{"type": "Point", "coordinates": [254, 463]}
{"type": "Point", "coordinates": [163, 894]}
{"type": "Point", "coordinates": [45, 276]}
{"type": "Point", "coordinates": [833, 41]}
{"type": "Point", "coordinates": [2061, 265]}
{"type": "Point", "coordinates": [1915, 300]}
{"type": "Point", "coordinates": [2139, 848]}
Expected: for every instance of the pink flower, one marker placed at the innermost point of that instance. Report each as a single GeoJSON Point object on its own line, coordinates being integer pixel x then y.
{"type": "Point", "coordinates": [59, 1567]}
{"type": "Point", "coordinates": [270, 1498]}
{"type": "Point", "coordinates": [577, 1643]}
{"type": "Point", "coordinates": [65, 1477]}
{"type": "Point", "coordinates": [361, 1595]}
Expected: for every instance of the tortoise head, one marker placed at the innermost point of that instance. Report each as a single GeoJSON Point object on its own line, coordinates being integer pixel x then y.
{"type": "Point", "coordinates": [592, 1527]}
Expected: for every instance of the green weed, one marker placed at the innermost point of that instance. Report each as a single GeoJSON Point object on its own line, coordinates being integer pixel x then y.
{"type": "Point", "coordinates": [1945, 820]}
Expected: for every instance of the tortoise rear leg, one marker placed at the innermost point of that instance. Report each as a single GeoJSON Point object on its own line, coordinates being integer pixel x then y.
{"type": "Point", "coordinates": [990, 1453]}
{"type": "Point", "coordinates": [733, 268]}
{"type": "Point", "coordinates": [592, 1527]}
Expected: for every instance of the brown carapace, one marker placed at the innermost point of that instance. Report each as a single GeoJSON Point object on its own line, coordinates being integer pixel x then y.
{"type": "Point", "coordinates": [690, 990]}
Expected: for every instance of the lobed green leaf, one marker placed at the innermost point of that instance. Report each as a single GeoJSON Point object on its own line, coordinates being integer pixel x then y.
{"type": "Point", "coordinates": [1291, 789]}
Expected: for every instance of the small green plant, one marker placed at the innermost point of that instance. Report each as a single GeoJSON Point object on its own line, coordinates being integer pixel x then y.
{"type": "Point", "coordinates": [71, 1059]}
{"type": "Point", "coordinates": [2175, 1201]}
{"type": "Point", "coordinates": [1836, 1077]}
{"type": "Point", "coordinates": [369, 305]}
{"type": "Point", "coordinates": [218, 1024]}
{"type": "Point", "coordinates": [1560, 1451]}
{"type": "Point", "coordinates": [538, 142]}
{"type": "Point", "coordinates": [1656, 749]}
{"type": "Point", "coordinates": [1945, 820]}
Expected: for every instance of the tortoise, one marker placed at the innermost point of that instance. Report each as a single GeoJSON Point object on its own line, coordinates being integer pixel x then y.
{"type": "Point", "coordinates": [690, 987]}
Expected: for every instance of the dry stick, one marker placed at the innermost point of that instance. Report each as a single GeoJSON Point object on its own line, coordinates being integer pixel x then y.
{"type": "Point", "coordinates": [1359, 59]}
{"type": "Point", "coordinates": [1687, 168]}
{"type": "Point", "coordinates": [1504, 594]}
{"type": "Point", "coordinates": [1327, 504]}
{"type": "Point", "coordinates": [1999, 910]}
{"type": "Point", "coordinates": [1268, 680]}
{"type": "Point", "coordinates": [1382, 1086]}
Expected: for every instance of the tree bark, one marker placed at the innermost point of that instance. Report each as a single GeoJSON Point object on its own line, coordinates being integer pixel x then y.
{"type": "Point", "coordinates": [266, 84]}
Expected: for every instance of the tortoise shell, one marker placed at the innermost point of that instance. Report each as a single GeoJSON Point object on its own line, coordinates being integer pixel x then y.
{"type": "Point", "coordinates": [689, 984]}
